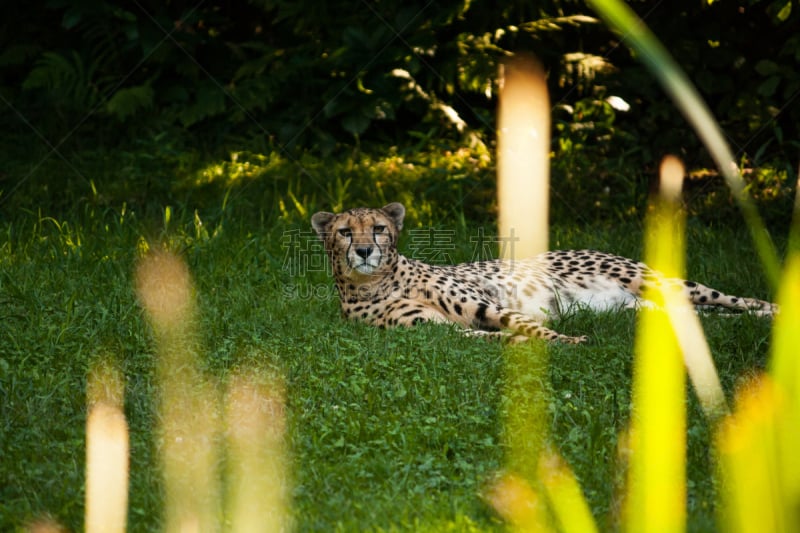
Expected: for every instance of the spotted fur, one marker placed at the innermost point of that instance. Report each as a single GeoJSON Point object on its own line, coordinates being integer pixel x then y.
{"type": "Point", "coordinates": [500, 298]}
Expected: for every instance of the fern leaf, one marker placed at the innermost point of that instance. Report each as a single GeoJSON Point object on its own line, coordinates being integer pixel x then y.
{"type": "Point", "coordinates": [52, 71]}
{"type": "Point", "coordinates": [209, 101]}
{"type": "Point", "coordinates": [18, 54]}
{"type": "Point", "coordinates": [64, 76]}
{"type": "Point", "coordinates": [129, 101]}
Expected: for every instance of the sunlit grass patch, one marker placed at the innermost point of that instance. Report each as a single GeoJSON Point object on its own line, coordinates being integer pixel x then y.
{"type": "Point", "coordinates": [301, 183]}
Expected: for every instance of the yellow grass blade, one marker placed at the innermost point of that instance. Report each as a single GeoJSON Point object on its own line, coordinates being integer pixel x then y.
{"type": "Point", "coordinates": [785, 370]}
{"type": "Point", "coordinates": [258, 473]}
{"type": "Point", "coordinates": [107, 450]}
{"type": "Point", "coordinates": [759, 463]}
{"type": "Point", "coordinates": [785, 363]}
{"type": "Point", "coordinates": [751, 497]}
{"type": "Point", "coordinates": [523, 169]}
{"type": "Point", "coordinates": [656, 498]}
{"type": "Point", "coordinates": [682, 316]}
{"type": "Point", "coordinates": [523, 190]}
{"type": "Point", "coordinates": [697, 357]}
{"type": "Point", "coordinates": [188, 404]}
{"type": "Point", "coordinates": [523, 159]}
{"type": "Point", "coordinates": [564, 494]}
{"type": "Point", "coordinates": [522, 507]}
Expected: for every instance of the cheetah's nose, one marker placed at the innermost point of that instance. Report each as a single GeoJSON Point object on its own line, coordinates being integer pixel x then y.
{"type": "Point", "coordinates": [364, 251]}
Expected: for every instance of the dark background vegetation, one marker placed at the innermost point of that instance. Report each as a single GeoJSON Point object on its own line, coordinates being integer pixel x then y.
{"type": "Point", "coordinates": [187, 82]}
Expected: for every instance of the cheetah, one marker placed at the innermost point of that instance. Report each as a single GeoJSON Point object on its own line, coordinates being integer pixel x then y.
{"type": "Point", "coordinates": [494, 298]}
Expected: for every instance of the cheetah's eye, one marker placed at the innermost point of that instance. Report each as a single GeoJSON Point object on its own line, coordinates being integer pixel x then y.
{"type": "Point", "coordinates": [378, 229]}
{"type": "Point", "coordinates": [345, 232]}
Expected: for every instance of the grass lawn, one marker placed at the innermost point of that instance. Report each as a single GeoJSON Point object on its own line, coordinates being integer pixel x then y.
{"type": "Point", "coordinates": [396, 430]}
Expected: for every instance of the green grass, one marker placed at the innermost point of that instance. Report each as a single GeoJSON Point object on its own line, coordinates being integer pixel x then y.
{"type": "Point", "coordinates": [389, 430]}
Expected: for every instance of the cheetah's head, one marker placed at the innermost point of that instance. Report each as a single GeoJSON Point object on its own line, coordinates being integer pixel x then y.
{"type": "Point", "coordinates": [362, 241]}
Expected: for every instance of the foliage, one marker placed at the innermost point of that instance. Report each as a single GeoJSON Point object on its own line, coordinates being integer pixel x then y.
{"type": "Point", "coordinates": [320, 75]}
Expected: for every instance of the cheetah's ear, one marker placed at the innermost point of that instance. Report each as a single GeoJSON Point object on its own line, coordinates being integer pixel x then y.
{"type": "Point", "coordinates": [320, 222]}
{"type": "Point", "coordinates": [396, 212]}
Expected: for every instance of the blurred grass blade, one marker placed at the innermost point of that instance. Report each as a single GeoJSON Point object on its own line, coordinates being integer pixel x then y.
{"type": "Point", "coordinates": [682, 316]}
{"type": "Point", "coordinates": [620, 17]}
{"type": "Point", "coordinates": [523, 508]}
{"type": "Point", "coordinates": [45, 525]}
{"type": "Point", "coordinates": [107, 451]}
{"type": "Point", "coordinates": [522, 174]}
{"type": "Point", "coordinates": [696, 356]}
{"type": "Point", "coordinates": [564, 494]}
{"type": "Point", "coordinates": [257, 473]}
{"type": "Point", "coordinates": [106, 469]}
{"type": "Point", "coordinates": [188, 403]}
{"type": "Point", "coordinates": [785, 363]}
{"type": "Point", "coordinates": [794, 230]}
{"type": "Point", "coordinates": [656, 499]}
{"type": "Point", "coordinates": [523, 158]}
{"type": "Point", "coordinates": [750, 489]}
{"type": "Point", "coordinates": [523, 170]}
{"type": "Point", "coordinates": [785, 371]}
